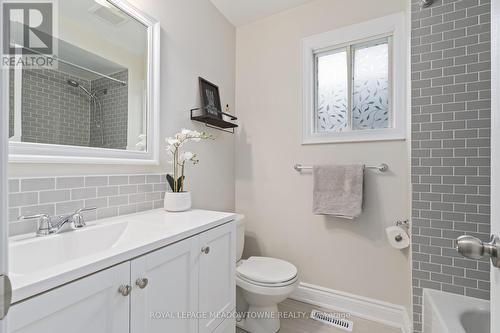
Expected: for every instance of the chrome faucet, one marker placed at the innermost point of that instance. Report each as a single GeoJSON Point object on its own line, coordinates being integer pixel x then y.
{"type": "Point", "coordinates": [50, 225]}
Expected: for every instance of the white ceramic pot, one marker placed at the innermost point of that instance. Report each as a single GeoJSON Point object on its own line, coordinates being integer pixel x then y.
{"type": "Point", "coordinates": [177, 201]}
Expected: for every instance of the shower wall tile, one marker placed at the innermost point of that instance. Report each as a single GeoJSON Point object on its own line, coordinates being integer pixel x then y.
{"type": "Point", "coordinates": [451, 109]}
{"type": "Point", "coordinates": [113, 109]}
{"type": "Point", "coordinates": [53, 111]}
{"type": "Point", "coordinates": [64, 195]}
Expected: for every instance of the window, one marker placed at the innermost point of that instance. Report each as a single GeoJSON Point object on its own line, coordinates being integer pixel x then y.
{"type": "Point", "coordinates": [354, 83]}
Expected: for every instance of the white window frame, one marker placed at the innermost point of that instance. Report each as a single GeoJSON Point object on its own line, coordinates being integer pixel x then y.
{"type": "Point", "coordinates": [392, 26]}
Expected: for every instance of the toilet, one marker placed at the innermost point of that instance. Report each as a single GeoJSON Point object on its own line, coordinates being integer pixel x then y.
{"type": "Point", "coordinates": [262, 283]}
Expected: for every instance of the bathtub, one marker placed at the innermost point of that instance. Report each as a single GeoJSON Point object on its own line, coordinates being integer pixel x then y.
{"type": "Point", "coordinates": [450, 313]}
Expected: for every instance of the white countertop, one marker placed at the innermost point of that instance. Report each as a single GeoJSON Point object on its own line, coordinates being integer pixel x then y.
{"type": "Point", "coordinates": [38, 264]}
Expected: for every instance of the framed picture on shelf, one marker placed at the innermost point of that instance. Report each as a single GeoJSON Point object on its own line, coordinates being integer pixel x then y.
{"type": "Point", "coordinates": [210, 98]}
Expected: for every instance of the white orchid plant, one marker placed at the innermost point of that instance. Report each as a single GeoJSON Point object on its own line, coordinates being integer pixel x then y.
{"type": "Point", "coordinates": [179, 159]}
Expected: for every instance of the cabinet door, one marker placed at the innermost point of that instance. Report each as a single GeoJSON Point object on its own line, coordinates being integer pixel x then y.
{"type": "Point", "coordinates": [91, 304]}
{"type": "Point", "coordinates": [170, 295]}
{"type": "Point", "coordinates": [217, 261]}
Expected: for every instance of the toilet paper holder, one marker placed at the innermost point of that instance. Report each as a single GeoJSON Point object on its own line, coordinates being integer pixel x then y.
{"type": "Point", "coordinates": [398, 235]}
{"type": "Point", "coordinates": [404, 224]}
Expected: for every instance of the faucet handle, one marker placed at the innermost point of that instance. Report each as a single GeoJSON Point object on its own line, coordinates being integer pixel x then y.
{"type": "Point", "coordinates": [30, 217]}
{"type": "Point", "coordinates": [82, 210]}
{"type": "Point", "coordinates": [78, 219]}
{"type": "Point", "coordinates": [44, 224]}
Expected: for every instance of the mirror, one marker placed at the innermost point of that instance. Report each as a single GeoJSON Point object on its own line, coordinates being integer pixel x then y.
{"type": "Point", "coordinates": [99, 95]}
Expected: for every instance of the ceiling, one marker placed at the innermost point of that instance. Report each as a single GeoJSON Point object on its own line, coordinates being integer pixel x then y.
{"type": "Point", "coordinates": [83, 33]}
{"type": "Point", "coordinates": [240, 12]}
{"type": "Point", "coordinates": [85, 59]}
{"type": "Point", "coordinates": [130, 35]}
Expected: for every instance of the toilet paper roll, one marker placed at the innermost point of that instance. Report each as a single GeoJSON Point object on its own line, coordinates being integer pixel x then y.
{"type": "Point", "coordinates": [398, 237]}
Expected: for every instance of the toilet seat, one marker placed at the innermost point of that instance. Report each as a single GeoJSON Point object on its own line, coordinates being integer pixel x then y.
{"type": "Point", "coordinates": [267, 272]}
{"type": "Point", "coordinates": [264, 283]}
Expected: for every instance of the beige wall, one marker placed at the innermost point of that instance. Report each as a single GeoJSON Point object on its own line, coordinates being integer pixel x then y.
{"type": "Point", "coordinates": [196, 40]}
{"type": "Point", "coordinates": [351, 256]}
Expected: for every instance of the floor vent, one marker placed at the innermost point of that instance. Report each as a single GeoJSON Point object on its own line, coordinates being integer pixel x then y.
{"type": "Point", "coordinates": [332, 320]}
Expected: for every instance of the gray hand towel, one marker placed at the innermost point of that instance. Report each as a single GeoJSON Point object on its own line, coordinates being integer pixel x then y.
{"type": "Point", "coordinates": [338, 190]}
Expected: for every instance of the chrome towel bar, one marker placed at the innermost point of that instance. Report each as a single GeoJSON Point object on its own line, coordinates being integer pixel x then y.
{"type": "Point", "coordinates": [382, 167]}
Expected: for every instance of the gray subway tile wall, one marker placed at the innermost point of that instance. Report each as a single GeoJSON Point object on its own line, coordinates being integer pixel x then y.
{"type": "Point", "coordinates": [451, 108]}
{"type": "Point", "coordinates": [64, 195]}
{"type": "Point", "coordinates": [53, 111]}
{"type": "Point", "coordinates": [113, 99]}
{"type": "Point", "coordinates": [56, 113]}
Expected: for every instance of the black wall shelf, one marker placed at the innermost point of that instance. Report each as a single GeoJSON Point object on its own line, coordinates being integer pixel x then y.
{"type": "Point", "coordinates": [213, 121]}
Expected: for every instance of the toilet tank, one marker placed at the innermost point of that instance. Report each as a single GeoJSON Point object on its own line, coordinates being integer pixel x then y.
{"type": "Point", "coordinates": [240, 236]}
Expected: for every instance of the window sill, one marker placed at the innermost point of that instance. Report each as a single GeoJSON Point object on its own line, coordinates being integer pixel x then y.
{"type": "Point", "coordinates": [354, 136]}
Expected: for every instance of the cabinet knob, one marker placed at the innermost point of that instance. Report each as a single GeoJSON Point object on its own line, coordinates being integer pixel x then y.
{"type": "Point", "coordinates": [124, 290]}
{"type": "Point", "coordinates": [142, 283]}
{"type": "Point", "coordinates": [205, 249]}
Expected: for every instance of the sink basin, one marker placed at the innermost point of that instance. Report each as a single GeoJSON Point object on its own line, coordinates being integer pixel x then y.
{"type": "Point", "coordinates": [38, 264]}
{"type": "Point", "coordinates": [31, 255]}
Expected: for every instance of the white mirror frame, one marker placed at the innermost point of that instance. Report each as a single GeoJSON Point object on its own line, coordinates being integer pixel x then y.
{"type": "Point", "coordinates": [24, 152]}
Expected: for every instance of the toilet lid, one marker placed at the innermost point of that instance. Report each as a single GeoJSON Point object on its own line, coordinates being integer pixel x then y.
{"type": "Point", "coordinates": [267, 270]}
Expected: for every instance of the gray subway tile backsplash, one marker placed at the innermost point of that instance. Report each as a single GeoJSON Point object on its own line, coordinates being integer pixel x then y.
{"type": "Point", "coordinates": [151, 179]}
{"type": "Point", "coordinates": [97, 202]}
{"type": "Point", "coordinates": [129, 209]}
{"type": "Point", "coordinates": [96, 181]}
{"type": "Point", "coordinates": [451, 112]}
{"type": "Point", "coordinates": [49, 209]}
{"type": "Point", "coordinates": [145, 188]}
{"type": "Point", "coordinates": [106, 191]}
{"type": "Point", "coordinates": [64, 195]}
{"type": "Point", "coordinates": [54, 196]}
{"type": "Point", "coordinates": [70, 182]}
{"type": "Point", "coordinates": [136, 198]}
{"type": "Point", "coordinates": [83, 193]}
{"type": "Point", "coordinates": [128, 189]}
{"type": "Point", "coordinates": [23, 199]}
{"type": "Point", "coordinates": [118, 200]}
{"type": "Point", "coordinates": [118, 180]}
{"type": "Point", "coordinates": [14, 185]}
{"type": "Point", "coordinates": [69, 206]}
{"type": "Point", "coordinates": [37, 184]}
{"type": "Point", "coordinates": [103, 213]}
{"type": "Point", "coordinates": [137, 179]}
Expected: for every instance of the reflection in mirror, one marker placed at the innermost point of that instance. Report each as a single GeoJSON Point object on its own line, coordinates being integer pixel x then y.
{"type": "Point", "coordinates": [97, 95]}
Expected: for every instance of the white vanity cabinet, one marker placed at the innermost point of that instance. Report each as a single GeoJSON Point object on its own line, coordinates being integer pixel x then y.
{"type": "Point", "coordinates": [171, 290]}
{"type": "Point", "coordinates": [217, 283]}
{"type": "Point", "coordinates": [91, 304]}
{"type": "Point", "coordinates": [185, 287]}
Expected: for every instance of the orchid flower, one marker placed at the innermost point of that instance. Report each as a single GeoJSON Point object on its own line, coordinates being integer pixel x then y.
{"type": "Point", "coordinates": [179, 159]}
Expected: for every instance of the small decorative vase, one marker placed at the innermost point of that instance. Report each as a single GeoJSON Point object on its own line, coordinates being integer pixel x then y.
{"type": "Point", "coordinates": [177, 201]}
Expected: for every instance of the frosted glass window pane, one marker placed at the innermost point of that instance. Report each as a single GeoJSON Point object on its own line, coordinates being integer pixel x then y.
{"type": "Point", "coordinates": [331, 99]}
{"type": "Point", "coordinates": [370, 102]}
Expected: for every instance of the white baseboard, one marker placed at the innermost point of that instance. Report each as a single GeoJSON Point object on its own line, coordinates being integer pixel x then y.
{"type": "Point", "coordinates": [363, 307]}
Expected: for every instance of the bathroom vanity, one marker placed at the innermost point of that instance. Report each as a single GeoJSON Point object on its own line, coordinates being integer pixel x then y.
{"type": "Point", "coordinates": [148, 272]}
